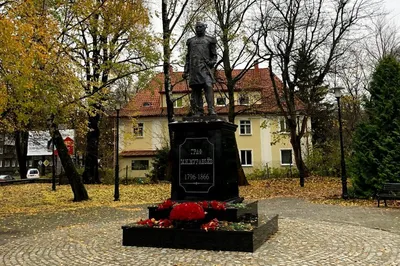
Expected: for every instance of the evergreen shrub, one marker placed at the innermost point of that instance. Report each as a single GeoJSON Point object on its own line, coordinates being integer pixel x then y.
{"type": "Point", "coordinates": [376, 143]}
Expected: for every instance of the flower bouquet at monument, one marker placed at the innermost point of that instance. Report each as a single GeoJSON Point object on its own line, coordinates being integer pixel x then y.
{"type": "Point", "coordinates": [168, 204]}
{"type": "Point", "coordinates": [211, 225]}
{"type": "Point", "coordinates": [188, 215]}
{"type": "Point", "coordinates": [162, 223]}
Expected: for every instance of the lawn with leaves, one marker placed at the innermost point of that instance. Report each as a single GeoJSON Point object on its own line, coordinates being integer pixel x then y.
{"type": "Point", "coordinates": [39, 198]}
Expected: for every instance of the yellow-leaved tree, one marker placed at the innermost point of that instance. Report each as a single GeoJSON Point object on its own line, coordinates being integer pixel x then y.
{"type": "Point", "coordinates": [37, 82]}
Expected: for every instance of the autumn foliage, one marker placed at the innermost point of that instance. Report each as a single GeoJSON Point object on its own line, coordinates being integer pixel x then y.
{"type": "Point", "coordinates": [38, 198]}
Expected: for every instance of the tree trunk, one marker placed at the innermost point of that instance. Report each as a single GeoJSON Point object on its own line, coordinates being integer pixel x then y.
{"type": "Point", "coordinates": [167, 62]}
{"type": "Point", "coordinates": [167, 76]}
{"type": "Point", "coordinates": [296, 145]}
{"type": "Point", "coordinates": [242, 180]}
{"type": "Point", "coordinates": [91, 172]}
{"type": "Point", "coordinates": [79, 190]}
{"type": "Point", "coordinates": [21, 148]}
{"type": "Point", "coordinates": [231, 107]}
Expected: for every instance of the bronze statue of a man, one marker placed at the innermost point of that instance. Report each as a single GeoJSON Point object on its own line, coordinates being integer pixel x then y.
{"type": "Point", "coordinates": [200, 60]}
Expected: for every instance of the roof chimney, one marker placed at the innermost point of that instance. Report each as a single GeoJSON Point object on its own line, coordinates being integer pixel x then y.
{"type": "Point", "coordinates": [256, 68]}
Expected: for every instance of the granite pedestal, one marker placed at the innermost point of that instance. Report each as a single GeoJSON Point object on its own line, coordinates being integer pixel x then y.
{"type": "Point", "coordinates": [205, 168]}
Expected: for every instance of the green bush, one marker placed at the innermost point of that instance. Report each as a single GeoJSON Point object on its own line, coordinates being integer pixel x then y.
{"type": "Point", "coordinates": [107, 176]}
{"type": "Point", "coordinates": [284, 172]}
{"type": "Point", "coordinates": [376, 142]}
{"type": "Point", "coordinates": [324, 161]}
{"type": "Point", "coordinates": [353, 193]}
{"type": "Point", "coordinates": [258, 173]}
{"type": "Point", "coordinates": [160, 166]}
{"type": "Point", "coordinates": [269, 172]}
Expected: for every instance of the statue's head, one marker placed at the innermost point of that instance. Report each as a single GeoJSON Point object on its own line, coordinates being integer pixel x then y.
{"type": "Point", "coordinates": [200, 28]}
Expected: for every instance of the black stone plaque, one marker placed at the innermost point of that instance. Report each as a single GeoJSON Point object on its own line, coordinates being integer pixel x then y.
{"type": "Point", "coordinates": [196, 165]}
{"type": "Point", "coordinates": [204, 160]}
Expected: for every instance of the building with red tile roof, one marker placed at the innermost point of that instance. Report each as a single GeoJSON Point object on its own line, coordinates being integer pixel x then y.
{"type": "Point", "coordinates": [262, 134]}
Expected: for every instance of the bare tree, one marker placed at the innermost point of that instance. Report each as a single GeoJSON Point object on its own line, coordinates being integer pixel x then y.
{"type": "Point", "coordinates": [235, 34]}
{"type": "Point", "coordinates": [324, 30]}
{"type": "Point", "coordinates": [109, 40]}
{"type": "Point", "coordinates": [353, 72]}
{"type": "Point", "coordinates": [172, 12]}
{"type": "Point", "coordinates": [385, 40]}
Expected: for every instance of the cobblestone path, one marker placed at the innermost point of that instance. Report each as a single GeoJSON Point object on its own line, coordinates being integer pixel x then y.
{"type": "Point", "coordinates": [299, 241]}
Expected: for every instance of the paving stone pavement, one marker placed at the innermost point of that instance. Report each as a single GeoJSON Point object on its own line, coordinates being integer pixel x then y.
{"type": "Point", "coordinates": [307, 236]}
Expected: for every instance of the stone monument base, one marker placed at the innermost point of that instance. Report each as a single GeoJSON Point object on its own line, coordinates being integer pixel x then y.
{"type": "Point", "coordinates": [229, 240]}
{"type": "Point", "coordinates": [245, 241]}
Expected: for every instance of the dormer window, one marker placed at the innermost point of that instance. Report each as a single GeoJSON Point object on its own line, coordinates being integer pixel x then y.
{"type": "Point", "coordinates": [177, 102]}
{"type": "Point", "coordinates": [146, 104]}
{"type": "Point", "coordinates": [221, 101]}
{"type": "Point", "coordinates": [138, 130]}
{"type": "Point", "coordinates": [244, 100]}
{"type": "Point", "coordinates": [283, 125]}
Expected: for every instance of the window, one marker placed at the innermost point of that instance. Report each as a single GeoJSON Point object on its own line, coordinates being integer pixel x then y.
{"type": "Point", "coordinates": [1, 163]}
{"type": "Point", "coordinates": [244, 100]}
{"type": "Point", "coordinates": [1, 150]}
{"type": "Point", "coordinates": [221, 101]}
{"type": "Point", "coordinates": [146, 104]}
{"type": "Point", "coordinates": [246, 157]}
{"type": "Point", "coordinates": [140, 164]}
{"type": "Point", "coordinates": [8, 149]}
{"type": "Point", "coordinates": [1, 137]}
{"type": "Point", "coordinates": [6, 163]}
{"type": "Point", "coordinates": [13, 163]}
{"type": "Point", "coordinates": [138, 130]}
{"type": "Point", "coordinates": [8, 140]}
{"type": "Point", "coordinates": [286, 157]}
{"type": "Point", "coordinates": [283, 126]}
{"type": "Point", "coordinates": [177, 102]}
{"type": "Point", "coordinates": [245, 127]}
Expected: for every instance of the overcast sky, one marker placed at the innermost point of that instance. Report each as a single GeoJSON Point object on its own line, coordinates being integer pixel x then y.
{"type": "Point", "coordinates": [393, 6]}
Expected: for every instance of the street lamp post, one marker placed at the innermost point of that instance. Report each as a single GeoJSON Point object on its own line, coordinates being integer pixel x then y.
{"type": "Point", "coordinates": [116, 188]}
{"type": "Point", "coordinates": [338, 95]}
{"type": "Point", "coordinates": [53, 167]}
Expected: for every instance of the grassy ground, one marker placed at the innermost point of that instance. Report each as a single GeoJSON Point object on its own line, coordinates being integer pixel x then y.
{"type": "Point", "coordinates": [39, 198]}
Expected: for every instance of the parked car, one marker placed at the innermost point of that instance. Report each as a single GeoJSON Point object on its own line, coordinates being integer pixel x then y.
{"type": "Point", "coordinates": [4, 178]}
{"type": "Point", "coordinates": [32, 173]}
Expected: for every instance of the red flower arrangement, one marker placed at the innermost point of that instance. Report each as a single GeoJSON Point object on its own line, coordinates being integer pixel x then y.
{"type": "Point", "coordinates": [166, 204]}
{"type": "Point", "coordinates": [188, 211]}
{"type": "Point", "coordinates": [211, 226]}
{"type": "Point", "coordinates": [147, 222]}
{"type": "Point", "coordinates": [216, 205]}
{"type": "Point", "coordinates": [203, 204]}
{"type": "Point", "coordinates": [165, 223]}
{"type": "Point", "coordinates": [162, 223]}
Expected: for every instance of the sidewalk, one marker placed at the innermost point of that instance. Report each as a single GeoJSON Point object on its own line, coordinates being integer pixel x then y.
{"type": "Point", "coordinates": [309, 234]}
{"type": "Point", "coordinates": [386, 219]}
